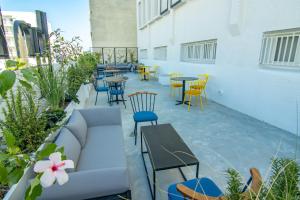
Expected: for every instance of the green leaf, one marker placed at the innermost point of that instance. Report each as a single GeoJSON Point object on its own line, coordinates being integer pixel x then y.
{"type": "Point", "coordinates": [28, 74]}
{"type": "Point", "coordinates": [9, 139]}
{"type": "Point", "coordinates": [50, 148]}
{"type": "Point", "coordinates": [3, 174]}
{"type": "Point", "coordinates": [34, 190]}
{"type": "Point", "coordinates": [15, 176]}
{"type": "Point", "coordinates": [7, 80]}
{"type": "Point", "coordinates": [25, 84]}
{"type": "Point", "coordinates": [10, 63]}
{"type": "Point", "coordinates": [3, 157]}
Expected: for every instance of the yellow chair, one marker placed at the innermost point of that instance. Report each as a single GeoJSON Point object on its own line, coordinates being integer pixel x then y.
{"type": "Point", "coordinates": [144, 73]}
{"type": "Point", "coordinates": [154, 71]}
{"type": "Point", "coordinates": [175, 84]}
{"type": "Point", "coordinates": [201, 84]}
{"type": "Point", "coordinates": [196, 93]}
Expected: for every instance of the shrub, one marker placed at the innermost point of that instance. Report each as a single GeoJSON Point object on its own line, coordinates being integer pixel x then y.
{"type": "Point", "coordinates": [283, 183]}
{"type": "Point", "coordinates": [88, 61]}
{"type": "Point", "coordinates": [23, 120]}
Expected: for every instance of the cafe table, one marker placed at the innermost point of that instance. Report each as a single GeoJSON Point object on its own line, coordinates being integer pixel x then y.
{"type": "Point", "coordinates": [183, 79]}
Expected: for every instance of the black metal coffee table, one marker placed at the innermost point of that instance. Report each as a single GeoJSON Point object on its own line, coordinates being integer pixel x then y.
{"type": "Point", "coordinates": [166, 150]}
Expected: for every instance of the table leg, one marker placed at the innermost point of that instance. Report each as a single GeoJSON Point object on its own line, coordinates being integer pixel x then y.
{"type": "Point", "coordinates": [197, 171]}
{"type": "Point", "coordinates": [183, 91]}
{"type": "Point", "coordinates": [183, 94]}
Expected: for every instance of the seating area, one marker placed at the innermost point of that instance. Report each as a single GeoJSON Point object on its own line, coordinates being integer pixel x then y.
{"type": "Point", "coordinates": [208, 132]}
{"type": "Point", "coordinates": [149, 100]}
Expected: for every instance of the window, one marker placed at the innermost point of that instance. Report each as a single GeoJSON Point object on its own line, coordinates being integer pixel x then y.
{"type": "Point", "coordinates": [155, 9]}
{"type": "Point", "coordinates": [143, 54]}
{"type": "Point", "coordinates": [281, 48]}
{"type": "Point", "coordinates": [148, 10]}
{"type": "Point", "coordinates": [175, 2]}
{"type": "Point", "coordinates": [164, 5]}
{"type": "Point", "coordinates": [200, 52]}
{"type": "Point", "coordinates": [160, 53]}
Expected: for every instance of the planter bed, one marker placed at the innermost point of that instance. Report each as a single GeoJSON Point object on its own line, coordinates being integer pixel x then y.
{"type": "Point", "coordinates": [17, 191]}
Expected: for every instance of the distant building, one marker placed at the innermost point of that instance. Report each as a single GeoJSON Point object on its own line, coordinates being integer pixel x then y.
{"type": "Point", "coordinates": [113, 29]}
{"type": "Point", "coordinates": [25, 34]}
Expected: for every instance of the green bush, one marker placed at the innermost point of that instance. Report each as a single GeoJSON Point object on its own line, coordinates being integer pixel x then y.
{"type": "Point", "coordinates": [23, 120]}
{"type": "Point", "coordinates": [88, 61]}
{"type": "Point", "coordinates": [283, 183]}
{"type": "Point", "coordinates": [53, 116]}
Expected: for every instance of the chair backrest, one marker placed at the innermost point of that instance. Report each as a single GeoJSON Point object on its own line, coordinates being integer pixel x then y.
{"type": "Point", "coordinates": [142, 101]}
{"type": "Point", "coordinates": [255, 181]}
{"type": "Point", "coordinates": [116, 86]}
{"type": "Point", "coordinates": [203, 77]}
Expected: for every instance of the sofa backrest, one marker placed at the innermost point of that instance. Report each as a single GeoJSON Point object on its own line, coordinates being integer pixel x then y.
{"type": "Point", "coordinates": [72, 147]}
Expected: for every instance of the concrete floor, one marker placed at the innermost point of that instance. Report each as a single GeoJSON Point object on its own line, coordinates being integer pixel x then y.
{"type": "Point", "coordinates": [220, 137]}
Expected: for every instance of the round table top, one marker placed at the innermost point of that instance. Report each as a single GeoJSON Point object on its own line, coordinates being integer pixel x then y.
{"type": "Point", "coordinates": [116, 79]}
{"type": "Point", "coordinates": [184, 78]}
{"type": "Point", "coordinates": [111, 70]}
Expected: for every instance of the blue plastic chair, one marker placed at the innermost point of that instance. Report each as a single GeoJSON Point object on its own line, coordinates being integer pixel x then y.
{"type": "Point", "coordinates": [116, 90]}
{"type": "Point", "coordinates": [205, 188]}
{"type": "Point", "coordinates": [143, 108]}
{"type": "Point", "coordinates": [100, 88]}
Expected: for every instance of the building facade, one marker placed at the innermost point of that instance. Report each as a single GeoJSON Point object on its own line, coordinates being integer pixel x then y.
{"type": "Point", "coordinates": [250, 49]}
{"type": "Point", "coordinates": [113, 29]}
{"type": "Point", "coordinates": [25, 34]}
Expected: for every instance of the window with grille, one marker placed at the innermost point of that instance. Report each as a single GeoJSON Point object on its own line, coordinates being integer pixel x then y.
{"type": "Point", "coordinates": [200, 52]}
{"type": "Point", "coordinates": [160, 53]}
{"type": "Point", "coordinates": [143, 54]}
{"type": "Point", "coordinates": [281, 48]}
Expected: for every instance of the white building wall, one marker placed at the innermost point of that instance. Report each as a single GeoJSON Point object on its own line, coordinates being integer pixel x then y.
{"type": "Point", "coordinates": [237, 80]}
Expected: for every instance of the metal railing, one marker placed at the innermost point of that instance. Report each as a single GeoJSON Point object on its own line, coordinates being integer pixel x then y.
{"type": "Point", "coordinates": [117, 55]}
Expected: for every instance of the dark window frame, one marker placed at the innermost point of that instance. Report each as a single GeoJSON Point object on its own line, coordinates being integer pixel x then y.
{"type": "Point", "coordinates": [176, 3]}
{"type": "Point", "coordinates": [165, 10]}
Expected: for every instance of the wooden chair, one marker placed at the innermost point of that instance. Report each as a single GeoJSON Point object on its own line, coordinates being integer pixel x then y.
{"type": "Point", "coordinates": [206, 189]}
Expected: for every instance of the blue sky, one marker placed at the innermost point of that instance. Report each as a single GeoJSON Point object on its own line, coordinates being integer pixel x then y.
{"type": "Point", "coordinates": [71, 16]}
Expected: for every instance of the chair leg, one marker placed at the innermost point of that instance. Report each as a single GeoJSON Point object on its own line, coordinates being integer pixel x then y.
{"type": "Point", "coordinates": [205, 96]}
{"type": "Point", "coordinates": [123, 100]}
{"type": "Point", "coordinates": [96, 98]}
{"type": "Point", "coordinates": [135, 133]}
{"type": "Point", "coordinates": [189, 108]}
{"type": "Point", "coordinates": [107, 97]}
{"type": "Point", "coordinates": [156, 122]}
{"type": "Point", "coordinates": [152, 123]}
{"type": "Point", "coordinates": [201, 104]}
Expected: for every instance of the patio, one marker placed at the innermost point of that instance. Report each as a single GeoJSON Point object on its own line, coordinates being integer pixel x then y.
{"type": "Point", "coordinates": [220, 137]}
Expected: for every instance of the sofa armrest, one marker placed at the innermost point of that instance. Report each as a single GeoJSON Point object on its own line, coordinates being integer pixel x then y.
{"type": "Point", "coordinates": [90, 184]}
{"type": "Point", "coordinates": [101, 116]}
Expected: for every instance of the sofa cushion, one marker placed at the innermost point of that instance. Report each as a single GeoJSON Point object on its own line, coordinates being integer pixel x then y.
{"type": "Point", "coordinates": [104, 149]}
{"type": "Point", "coordinates": [72, 147]}
{"type": "Point", "coordinates": [77, 125]}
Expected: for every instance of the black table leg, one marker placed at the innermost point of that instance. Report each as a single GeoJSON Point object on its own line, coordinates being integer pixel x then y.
{"type": "Point", "coordinates": [182, 96]}
{"type": "Point", "coordinates": [197, 171]}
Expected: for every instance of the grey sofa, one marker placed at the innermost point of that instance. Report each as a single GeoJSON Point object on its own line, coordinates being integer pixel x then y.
{"type": "Point", "coordinates": [93, 139]}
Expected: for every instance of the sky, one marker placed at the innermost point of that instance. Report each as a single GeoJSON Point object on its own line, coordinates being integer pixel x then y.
{"type": "Point", "coordinates": [71, 16]}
